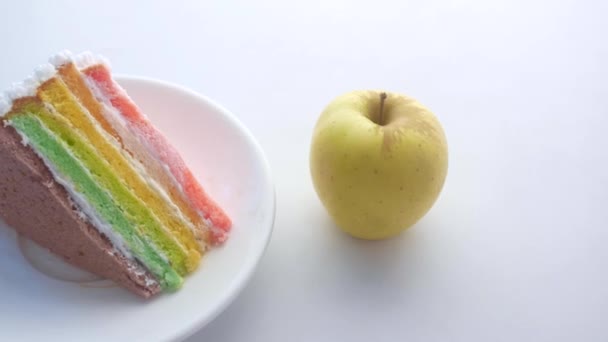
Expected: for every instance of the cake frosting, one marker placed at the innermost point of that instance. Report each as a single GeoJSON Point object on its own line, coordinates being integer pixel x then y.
{"type": "Point", "coordinates": [26, 88]}
{"type": "Point", "coordinates": [61, 58]}
{"type": "Point", "coordinates": [5, 104]}
{"type": "Point", "coordinates": [82, 60]}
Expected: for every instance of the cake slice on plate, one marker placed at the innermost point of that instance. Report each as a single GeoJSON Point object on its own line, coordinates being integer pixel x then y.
{"type": "Point", "coordinates": [85, 174]}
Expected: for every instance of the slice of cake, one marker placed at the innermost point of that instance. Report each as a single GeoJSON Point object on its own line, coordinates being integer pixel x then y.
{"type": "Point", "coordinates": [85, 174]}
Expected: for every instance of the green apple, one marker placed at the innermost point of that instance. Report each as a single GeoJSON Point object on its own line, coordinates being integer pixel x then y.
{"type": "Point", "coordinates": [378, 161]}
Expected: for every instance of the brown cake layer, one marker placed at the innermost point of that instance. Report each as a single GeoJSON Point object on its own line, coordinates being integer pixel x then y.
{"type": "Point", "coordinates": [40, 209]}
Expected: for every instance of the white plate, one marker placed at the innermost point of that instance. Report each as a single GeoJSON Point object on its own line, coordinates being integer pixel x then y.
{"type": "Point", "coordinates": [230, 165]}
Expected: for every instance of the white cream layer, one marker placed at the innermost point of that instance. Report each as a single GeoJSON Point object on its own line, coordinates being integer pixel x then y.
{"type": "Point", "coordinates": [45, 72]}
{"type": "Point", "coordinates": [82, 60]}
{"type": "Point", "coordinates": [139, 170]}
{"type": "Point", "coordinates": [141, 149]}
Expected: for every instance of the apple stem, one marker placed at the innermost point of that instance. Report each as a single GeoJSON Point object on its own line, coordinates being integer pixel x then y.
{"type": "Point", "coordinates": [381, 116]}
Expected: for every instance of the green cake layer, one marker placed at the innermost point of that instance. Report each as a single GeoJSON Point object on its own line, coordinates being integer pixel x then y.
{"type": "Point", "coordinates": [45, 133]}
{"type": "Point", "coordinates": [133, 208]}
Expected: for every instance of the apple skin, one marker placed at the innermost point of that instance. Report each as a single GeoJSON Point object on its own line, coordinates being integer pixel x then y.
{"type": "Point", "coordinates": [377, 180]}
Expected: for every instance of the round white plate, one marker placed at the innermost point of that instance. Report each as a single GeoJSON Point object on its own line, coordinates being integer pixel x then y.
{"type": "Point", "coordinates": [230, 165]}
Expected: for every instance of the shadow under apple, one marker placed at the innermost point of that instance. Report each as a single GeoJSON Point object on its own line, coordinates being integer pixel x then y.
{"type": "Point", "coordinates": [378, 273]}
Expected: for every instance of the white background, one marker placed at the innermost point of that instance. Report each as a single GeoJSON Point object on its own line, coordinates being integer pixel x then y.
{"type": "Point", "coordinates": [516, 247]}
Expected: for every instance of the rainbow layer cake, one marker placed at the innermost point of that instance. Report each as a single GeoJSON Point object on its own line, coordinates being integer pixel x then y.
{"type": "Point", "coordinates": [85, 174]}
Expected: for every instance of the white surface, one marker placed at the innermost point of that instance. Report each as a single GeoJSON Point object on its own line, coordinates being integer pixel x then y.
{"type": "Point", "coordinates": [515, 248]}
{"type": "Point", "coordinates": [239, 179]}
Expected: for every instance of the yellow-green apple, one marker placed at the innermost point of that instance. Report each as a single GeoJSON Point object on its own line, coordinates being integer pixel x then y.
{"type": "Point", "coordinates": [378, 161]}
